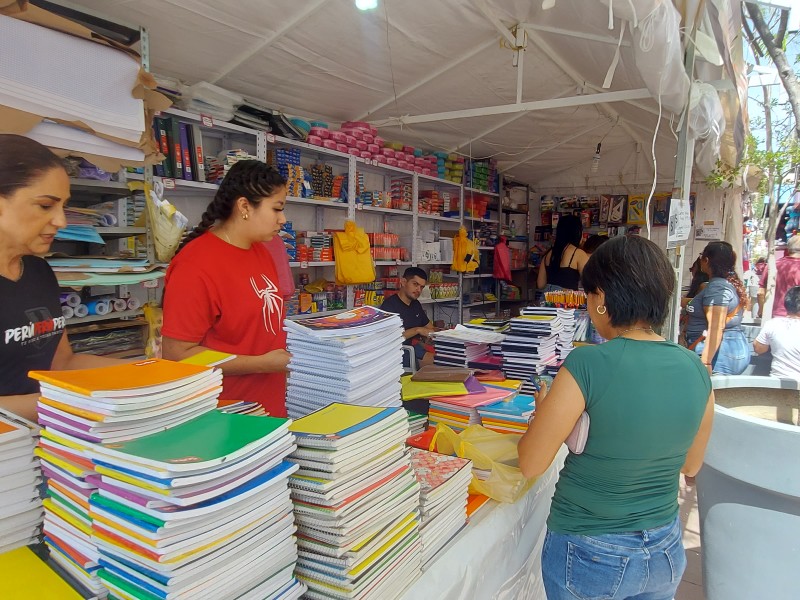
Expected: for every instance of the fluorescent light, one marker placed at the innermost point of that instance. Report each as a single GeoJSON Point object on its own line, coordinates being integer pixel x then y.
{"type": "Point", "coordinates": [366, 4]}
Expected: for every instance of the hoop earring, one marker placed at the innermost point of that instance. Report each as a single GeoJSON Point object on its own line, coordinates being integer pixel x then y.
{"type": "Point", "coordinates": [245, 216]}
{"type": "Point", "coordinates": [601, 312]}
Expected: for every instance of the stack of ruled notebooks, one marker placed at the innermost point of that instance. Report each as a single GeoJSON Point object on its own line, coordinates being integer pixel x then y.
{"type": "Point", "coordinates": [356, 502]}
{"type": "Point", "coordinates": [444, 482]}
{"type": "Point", "coordinates": [353, 357]}
{"type": "Point", "coordinates": [461, 346]}
{"type": "Point", "coordinates": [509, 416]}
{"type": "Point", "coordinates": [79, 409]}
{"type": "Point", "coordinates": [20, 503]}
{"type": "Point", "coordinates": [459, 412]}
{"type": "Point", "coordinates": [531, 345]}
{"type": "Point", "coordinates": [201, 511]}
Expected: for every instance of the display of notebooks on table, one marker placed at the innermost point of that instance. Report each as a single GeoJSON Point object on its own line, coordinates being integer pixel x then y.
{"type": "Point", "coordinates": [417, 423]}
{"type": "Point", "coordinates": [459, 412]}
{"type": "Point", "coordinates": [356, 502]}
{"type": "Point", "coordinates": [462, 346]}
{"type": "Point", "coordinates": [20, 503]}
{"type": "Point", "coordinates": [353, 357]}
{"type": "Point", "coordinates": [200, 511]}
{"type": "Point", "coordinates": [509, 416]}
{"type": "Point", "coordinates": [531, 344]}
{"type": "Point", "coordinates": [444, 482]}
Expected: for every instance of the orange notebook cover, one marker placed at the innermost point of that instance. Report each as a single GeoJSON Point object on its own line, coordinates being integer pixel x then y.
{"type": "Point", "coordinates": [475, 502]}
{"type": "Point", "coordinates": [147, 376]}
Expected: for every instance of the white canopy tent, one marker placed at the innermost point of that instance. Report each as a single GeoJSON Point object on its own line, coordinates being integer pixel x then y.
{"type": "Point", "coordinates": [521, 80]}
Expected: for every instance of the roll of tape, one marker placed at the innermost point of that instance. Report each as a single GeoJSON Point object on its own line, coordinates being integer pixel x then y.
{"type": "Point", "coordinates": [81, 311]}
{"type": "Point", "coordinates": [67, 312]}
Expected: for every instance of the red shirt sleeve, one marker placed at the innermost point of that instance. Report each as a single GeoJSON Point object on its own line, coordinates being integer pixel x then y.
{"type": "Point", "coordinates": [190, 304]}
{"type": "Point", "coordinates": [762, 282]}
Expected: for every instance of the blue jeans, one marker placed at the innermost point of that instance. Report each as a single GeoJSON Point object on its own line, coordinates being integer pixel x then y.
{"type": "Point", "coordinates": [733, 355]}
{"type": "Point", "coordinates": [642, 565]}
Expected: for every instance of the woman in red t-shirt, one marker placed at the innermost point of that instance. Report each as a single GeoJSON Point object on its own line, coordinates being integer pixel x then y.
{"type": "Point", "coordinates": [222, 288]}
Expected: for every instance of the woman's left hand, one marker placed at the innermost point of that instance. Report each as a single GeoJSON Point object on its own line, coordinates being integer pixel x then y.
{"type": "Point", "coordinates": [540, 395]}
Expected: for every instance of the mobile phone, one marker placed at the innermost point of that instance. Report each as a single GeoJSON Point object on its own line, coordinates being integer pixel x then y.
{"type": "Point", "coordinates": [535, 383]}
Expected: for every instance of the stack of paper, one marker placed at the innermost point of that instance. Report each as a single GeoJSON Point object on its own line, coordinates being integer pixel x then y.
{"type": "Point", "coordinates": [509, 416]}
{"type": "Point", "coordinates": [531, 344]}
{"type": "Point", "coordinates": [356, 502]}
{"type": "Point", "coordinates": [83, 407]}
{"type": "Point", "coordinates": [444, 482]}
{"type": "Point", "coordinates": [462, 346]}
{"type": "Point", "coordinates": [200, 511]}
{"type": "Point", "coordinates": [567, 334]}
{"type": "Point", "coordinates": [417, 423]}
{"type": "Point", "coordinates": [459, 412]}
{"type": "Point", "coordinates": [353, 357]}
{"type": "Point", "coordinates": [20, 504]}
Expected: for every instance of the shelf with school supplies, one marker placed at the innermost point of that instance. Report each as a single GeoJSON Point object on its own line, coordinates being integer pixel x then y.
{"type": "Point", "coordinates": [323, 313]}
{"type": "Point", "coordinates": [317, 202]}
{"type": "Point", "coordinates": [439, 218]}
{"type": "Point", "coordinates": [125, 314]}
{"type": "Point", "coordinates": [82, 187]}
{"type": "Point", "coordinates": [120, 232]}
{"type": "Point", "coordinates": [437, 300]}
{"type": "Point", "coordinates": [309, 264]}
{"type": "Point", "coordinates": [175, 185]}
{"type": "Point", "coordinates": [469, 190]}
{"type": "Point", "coordinates": [393, 263]}
{"type": "Point", "coordinates": [390, 211]}
{"type": "Point", "coordinates": [470, 275]}
{"type": "Point", "coordinates": [483, 303]}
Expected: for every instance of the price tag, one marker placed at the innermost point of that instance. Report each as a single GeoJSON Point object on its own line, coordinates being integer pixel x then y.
{"type": "Point", "coordinates": [304, 264]}
{"type": "Point", "coordinates": [207, 120]}
{"type": "Point", "coordinates": [153, 283]}
{"type": "Point", "coordinates": [270, 138]}
{"type": "Point", "coordinates": [374, 163]}
{"type": "Point", "coordinates": [359, 206]}
{"type": "Point", "coordinates": [169, 183]}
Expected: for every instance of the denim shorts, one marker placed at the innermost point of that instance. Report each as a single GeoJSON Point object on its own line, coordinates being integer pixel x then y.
{"type": "Point", "coordinates": [642, 565]}
{"type": "Point", "coordinates": [733, 355]}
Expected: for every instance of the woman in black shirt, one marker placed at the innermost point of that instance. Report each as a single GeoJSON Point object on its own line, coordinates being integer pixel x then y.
{"type": "Point", "coordinates": [562, 265]}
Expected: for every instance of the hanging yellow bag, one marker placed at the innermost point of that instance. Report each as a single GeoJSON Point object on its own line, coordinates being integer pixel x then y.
{"type": "Point", "coordinates": [495, 454]}
{"type": "Point", "coordinates": [466, 257]}
{"type": "Point", "coordinates": [352, 255]}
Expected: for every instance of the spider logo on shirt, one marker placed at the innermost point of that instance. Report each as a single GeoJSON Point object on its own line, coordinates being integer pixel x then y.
{"type": "Point", "coordinates": [273, 303]}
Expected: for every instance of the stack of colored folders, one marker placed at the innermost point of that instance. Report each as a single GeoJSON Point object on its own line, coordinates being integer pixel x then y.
{"type": "Point", "coordinates": [509, 416]}
{"type": "Point", "coordinates": [353, 358]}
{"type": "Point", "coordinates": [82, 407]}
{"type": "Point", "coordinates": [199, 512]}
{"type": "Point", "coordinates": [20, 503]}
{"type": "Point", "coordinates": [356, 502]}
{"type": "Point", "coordinates": [444, 482]}
{"type": "Point", "coordinates": [459, 412]}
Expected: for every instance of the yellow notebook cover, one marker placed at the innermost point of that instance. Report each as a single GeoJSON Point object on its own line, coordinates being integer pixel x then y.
{"type": "Point", "coordinates": [335, 419]}
{"type": "Point", "coordinates": [209, 358]}
{"type": "Point", "coordinates": [413, 390]}
{"type": "Point", "coordinates": [24, 576]}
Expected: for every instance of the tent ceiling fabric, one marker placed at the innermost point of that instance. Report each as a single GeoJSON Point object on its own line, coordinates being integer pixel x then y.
{"type": "Point", "coordinates": [326, 59]}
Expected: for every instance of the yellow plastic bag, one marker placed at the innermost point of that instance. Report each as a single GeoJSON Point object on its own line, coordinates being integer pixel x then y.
{"type": "Point", "coordinates": [466, 257]}
{"type": "Point", "coordinates": [489, 451]}
{"type": "Point", "coordinates": [155, 319]}
{"type": "Point", "coordinates": [352, 254]}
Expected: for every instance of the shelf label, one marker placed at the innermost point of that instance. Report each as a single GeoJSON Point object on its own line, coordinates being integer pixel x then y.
{"type": "Point", "coordinates": [359, 206]}
{"type": "Point", "coordinates": [270, 138]}
{"type": "Point", "coordinates": [207, 120]}
{"type": "Point", "coordinates": [169, 183]}
{"type": "Point", "coordinates": [153, 283]}
{"type": "Point", "coordinates": [304, 264]}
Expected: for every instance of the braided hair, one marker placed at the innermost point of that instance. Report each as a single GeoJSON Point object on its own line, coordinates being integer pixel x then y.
{"type": "Point", "coordinates": [721, 261]}
{"type": "Point", "coordinates": [249, 179]}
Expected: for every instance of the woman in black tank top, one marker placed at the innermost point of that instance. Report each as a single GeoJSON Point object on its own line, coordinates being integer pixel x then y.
{"type": "Point", "coordinates": [552, 275]}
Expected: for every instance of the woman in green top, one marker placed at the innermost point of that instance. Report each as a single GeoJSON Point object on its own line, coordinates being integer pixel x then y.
{"type": "Point", "coordinates": [613, 530]}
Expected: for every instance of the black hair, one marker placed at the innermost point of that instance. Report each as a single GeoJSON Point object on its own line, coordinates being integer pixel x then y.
{"type": "Point", "coordinates": [21, 161]}
{"type": "Point", "coordinates": [593, 242]}
{"type": "Point", "coordinates": [722, 263]}
{"type": "Point", "coordinates": [635, 276]}
{"type": "Point", "coordinates": [792, 300]}
{"type": "Point", "coordinates": [568, 231]}
{"type": "Point", "coordinates": [250, 179]}
{"type": "Point", "coordinates": [698, 278]}
{"type": "Point", "coordinates": [415, 272]}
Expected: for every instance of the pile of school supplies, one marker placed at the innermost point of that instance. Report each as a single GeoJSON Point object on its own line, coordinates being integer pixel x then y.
{"type": "Point", "coordinates": [356, 502]}
{"type": "Point", "coordinates": [459, 412]}
{"type": "Point", "coordinates": [531, 345]}
{"type": "Point", "coordinates": [353, 357]}
{"type": "Point", "coordinates": [508, 416]}
{"type": "Point", "coordinates": [82, 408]}
{"type": "Point", "coordinates": [20, 505]}
{"type": "Point", "coordinates": [417, 423]}
{"type": "Point", "coordinates": [200, 511]}
{"type": "Point", "coordinates": [462, 346]}
{"type": "Point", "coordinates": [444, 481]}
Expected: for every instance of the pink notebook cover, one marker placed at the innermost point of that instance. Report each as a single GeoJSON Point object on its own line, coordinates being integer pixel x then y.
{"type": "Point", "coordinates": [490, 396]}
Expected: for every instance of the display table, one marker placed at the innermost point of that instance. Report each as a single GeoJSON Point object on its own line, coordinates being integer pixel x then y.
{"type": "Point", "coordinates": [498, 555]}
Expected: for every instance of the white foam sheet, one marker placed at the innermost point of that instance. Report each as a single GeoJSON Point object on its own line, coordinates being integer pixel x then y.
{"type": "Point", "coordinates": [60, 136]}
{"type": "Point", "coordinates": [60, 76]}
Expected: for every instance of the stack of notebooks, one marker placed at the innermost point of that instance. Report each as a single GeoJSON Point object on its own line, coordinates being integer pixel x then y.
{"type": "Point", "coordinates": [417, 423]}
{"type": "Point", "coordinates": [20, 504]}
{"type": "Point", "coordinates": [444, 482]}
{"type": "Point", "coordinates": [356, 502]}
{"type": "Point", "coordinates": [82, 408]}
{"type": "Point", "coordinates": [496, 325]}
{"type": "Point", "coordinates": [353, 357]}
{"type": "Point", "coordinates": [462, 346]}
{"type": "Point", "coordinates": [531, 344]}
{"type": "Point", "coordinates": [200, 511]}
{"type": "Point", "coordinates": [509, 416]}
{"type": "Point", "coordinates": [459, 412]}
{"type": "Point", "coordinates": [566, 336]}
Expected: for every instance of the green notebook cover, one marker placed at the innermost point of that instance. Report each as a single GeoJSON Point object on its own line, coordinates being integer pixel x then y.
{"type": "Point", "coordinates": [205, 441]}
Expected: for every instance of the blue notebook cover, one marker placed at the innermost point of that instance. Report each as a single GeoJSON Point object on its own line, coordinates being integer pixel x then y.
{"type": "Point", "coordinates": [519, 406]}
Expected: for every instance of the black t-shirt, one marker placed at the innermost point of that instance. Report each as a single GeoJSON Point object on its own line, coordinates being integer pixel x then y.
{"type": "Point", "coordinates": [32, 326]}
{"type": "Point", "coordinates": [413, 315]}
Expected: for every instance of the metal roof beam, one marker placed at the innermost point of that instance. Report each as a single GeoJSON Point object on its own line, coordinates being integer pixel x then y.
{"type": "Point", "coordinates": [498, 24]}
{"type": "Point", "coordinates": [577, 34]}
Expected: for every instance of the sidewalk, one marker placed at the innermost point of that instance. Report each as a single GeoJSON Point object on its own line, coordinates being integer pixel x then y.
{"type": "Point", "coordinates": [691, 587]}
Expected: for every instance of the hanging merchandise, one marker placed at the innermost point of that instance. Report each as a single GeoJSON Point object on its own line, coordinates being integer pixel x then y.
{"type": "Point", "coordinates": [466, 257]}
{"type": "Point", "coordinates": [352, 255]}
{"type": "Point", "coordinates": [502, 260]}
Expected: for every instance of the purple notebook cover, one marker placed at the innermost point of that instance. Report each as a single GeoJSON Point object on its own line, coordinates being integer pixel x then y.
{"type": "Point", "coordinates": [474, 386]}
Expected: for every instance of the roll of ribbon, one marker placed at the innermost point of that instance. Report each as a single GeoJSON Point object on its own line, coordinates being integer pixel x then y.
{"type": "Point", "coordinates": [99, 307]}
{"type": "Point", "coordinates": [81, 311]}
{"type": "Point", "coordinates": [71, 299]}
{"type": "Point", "coordinates": [134, 303]}
{"type": "Point", "coordinates": [120, 304]}
{"type": "Point", "coordinates": [67, 312]}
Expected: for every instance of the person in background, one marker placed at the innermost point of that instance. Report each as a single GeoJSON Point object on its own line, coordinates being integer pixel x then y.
{"type": "Point", "coordinates": [614, 529]}
{"type": "Point", "coordinates": [222, 289]}
{"type": "Point", "coordinates": [699, 278]}
{"type": "Point", "coordinates": [562, 265]}
{"type": "Point", "coordinates": [34, 189]}
{"type": "Point", "coordinates": [751, 279]}
{"type": "Point", "coordinates": [714, 328]}
{"type": "Point", "coordinates": [781, 335]}
{"type": "Point", "coordinates": [787, 274]}
{"type": "Point", "coordinates": [593, 242]}
{"type": "Point", "coordinates": [416, 323]}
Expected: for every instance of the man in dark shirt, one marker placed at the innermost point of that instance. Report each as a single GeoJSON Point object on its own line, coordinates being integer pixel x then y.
{"type": "Point", "coordinates": [416, 323]}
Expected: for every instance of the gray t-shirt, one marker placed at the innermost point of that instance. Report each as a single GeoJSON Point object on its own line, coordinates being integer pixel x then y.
{"type": "Point", "coordinates": [718, 292]}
